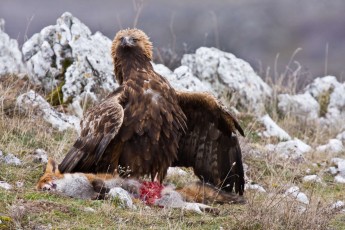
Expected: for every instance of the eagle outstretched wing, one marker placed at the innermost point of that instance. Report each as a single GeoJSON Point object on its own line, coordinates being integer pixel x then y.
{"type": "Point", "coordinates": [210, 145]}
{"type": "Point", "coordinates": [99, 127]}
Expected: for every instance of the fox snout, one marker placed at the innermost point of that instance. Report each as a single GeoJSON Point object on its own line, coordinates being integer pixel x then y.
{"type": "Point", "coordinates": [49, 186]}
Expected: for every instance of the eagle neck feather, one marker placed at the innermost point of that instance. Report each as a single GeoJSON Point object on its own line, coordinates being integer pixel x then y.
{"type": "Point", "coordinates": [129, 60]}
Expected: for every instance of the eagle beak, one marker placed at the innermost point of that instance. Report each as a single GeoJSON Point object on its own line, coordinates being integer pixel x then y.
{"type": "Point", "coordinates": [127, 41]}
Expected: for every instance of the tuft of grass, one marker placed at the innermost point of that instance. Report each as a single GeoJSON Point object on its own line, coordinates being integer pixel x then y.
{"type": "Point", "coordinates": [323, 100]}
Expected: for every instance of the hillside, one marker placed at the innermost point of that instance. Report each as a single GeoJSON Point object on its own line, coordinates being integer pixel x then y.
{"type": "Point", "coordinates": [293, 147]}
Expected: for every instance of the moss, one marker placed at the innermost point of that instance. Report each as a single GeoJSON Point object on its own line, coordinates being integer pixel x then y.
{"type": "Point", "coordinates": [55, 97]}
{"type": "Point", "coordinates": [323, 100]}
{"type": "Point", "coordinates": [6, 222]}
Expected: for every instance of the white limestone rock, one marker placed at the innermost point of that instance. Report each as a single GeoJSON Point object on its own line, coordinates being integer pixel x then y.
{"type": "Point", "coordinates": [336, 107]}
{"type": "Point", "coordinates": [333, 146]}
{"type": "Point", "coordinates": [340, 178]}
{"type": "Point", "coordinates": [340, 163]}
{"type": "Point", "coordinates": [232, 78]}
{"type": "Point", "coordinates": [19, 184]}
{"type": "Point", "coordinates": [338, 204]}
{"type": "Point", "coordinates": [70, 44]}
{"type": "Point", "coordinates": [293, 149]}
{"type": "Point", "coordinates": [40, 156]}
{"type": "Point", "coordinates": [176, 171]}
{"type": "Point", "coordinates": [321, 85]}
{"type": "Point", "coordinates": [182, 78]}
{"type": "Point", "coordinates": [123, 196]}
{"type": "Point", "coordinates": [272, 129]}
{"type": "Point", "coordinates": [5, 185]}
{"type": "Point", "coordinates": [303, 106]}
{"type": "Point", "coordinates": [312, 178]}
{"type": "Point", "coordinates": [11, 159]}
{"type": "Point", "coordinates": [341, 136]}
{"type": "Point", "coordinates": [10, 56]}
{"type": "Point", "coordinates": [297, 194]}
{"type": "Point", "coordinates": [332, 170]}
{"type": "Point", "coordinates": [256, 187]}
{"type": "Point", "coordinates": [89, 209]}
{"type": "Point", "coordinates": [31, 101]}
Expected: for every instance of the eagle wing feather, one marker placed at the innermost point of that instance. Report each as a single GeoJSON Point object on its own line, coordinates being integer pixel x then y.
{"type": "Point", "coordinates": [209, 144]}
{"type": "Point", "coordinates": [99, 127]}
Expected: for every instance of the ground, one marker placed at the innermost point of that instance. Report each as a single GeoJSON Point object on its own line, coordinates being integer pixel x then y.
{"type": "Point", "coordinates": [24, 207]}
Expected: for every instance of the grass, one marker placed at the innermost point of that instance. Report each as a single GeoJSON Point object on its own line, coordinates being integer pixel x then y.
{"type": "Point", "coordinates": [24, 207]}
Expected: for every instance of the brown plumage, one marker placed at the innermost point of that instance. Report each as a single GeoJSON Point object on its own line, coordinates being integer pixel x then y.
{"type": "Point", "coordinates": [146, 126]}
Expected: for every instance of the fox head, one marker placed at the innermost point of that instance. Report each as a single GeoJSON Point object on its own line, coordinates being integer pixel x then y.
{"type": "Point", "coordinates": [51, 173]}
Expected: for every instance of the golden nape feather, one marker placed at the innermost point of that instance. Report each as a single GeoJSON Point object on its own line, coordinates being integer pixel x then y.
{"type": "Point", "coordinates": [145, 126]}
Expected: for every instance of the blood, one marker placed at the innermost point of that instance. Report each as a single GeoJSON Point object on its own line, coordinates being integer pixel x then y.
{"type": "Point", "coordinates": [150, 192]}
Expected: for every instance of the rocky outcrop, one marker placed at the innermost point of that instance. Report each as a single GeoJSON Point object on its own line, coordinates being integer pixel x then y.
{"type": "Point", "coordinates": [323, 100]}
{"type": "Point", "coordinates": [10, 159]}
{"type": "Point", "coordinates": [69, 56]}
{"type": "Point", "coordinates": [332, 147]}
{"type": "Point", "coordinates": [341, 136]}
{"type": "Point", "coordinates": [10, 56]}
{"type": "Point", "coordinates": [304, 106]}
{"type": "Point", "coordinates": [231, 78]}
{"type": "Point", "coordinates": [33, 102]}
{"type": "Point", "coordinates": [293, 149]}
{"type": "Point", "coordinates": [272, 129]}
{"type": "Point", "coordinates": [182, 78]}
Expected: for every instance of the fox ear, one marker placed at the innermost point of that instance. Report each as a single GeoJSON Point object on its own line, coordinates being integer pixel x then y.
{"type": "Point", "coordinates": [51, 166]}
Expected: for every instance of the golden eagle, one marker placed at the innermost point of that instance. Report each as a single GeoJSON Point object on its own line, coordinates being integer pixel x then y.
{"type": "Point", "coordinates": [146, 126]}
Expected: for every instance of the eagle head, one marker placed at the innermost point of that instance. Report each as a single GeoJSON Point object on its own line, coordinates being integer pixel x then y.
{"type": "Point", "coordinates": [130, 40]}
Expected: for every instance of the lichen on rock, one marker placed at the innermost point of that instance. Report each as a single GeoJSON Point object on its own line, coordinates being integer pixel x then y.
{"type": "Point", "coordinates": [68, 52]}
{"type": "Point", "coordinates": [10, 56]}
{"type": "Point", "coordinates": [232, 78]}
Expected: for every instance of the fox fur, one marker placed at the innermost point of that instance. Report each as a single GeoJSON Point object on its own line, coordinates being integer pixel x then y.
{"type": "Point", "coordinates": [194, 196]}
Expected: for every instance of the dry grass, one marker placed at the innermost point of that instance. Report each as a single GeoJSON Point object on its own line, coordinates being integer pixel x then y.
{"type": "Point", "coordinates": [23, 207]}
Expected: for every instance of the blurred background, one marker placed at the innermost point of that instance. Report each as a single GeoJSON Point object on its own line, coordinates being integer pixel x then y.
{"type": "Point", "coordinates": [266, 33]}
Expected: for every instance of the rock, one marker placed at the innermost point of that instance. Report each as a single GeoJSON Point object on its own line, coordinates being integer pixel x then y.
{"type": "Point", "coordinates": [232, 78]}
{"type": "Point", "coordinates": [67, 53]}
{"type": "Point", "coordinates": [341, 136]}
{"type": "Point", "coordinates": [123, 196]}
{"type": "Point", "coordinates": [341, 166]}
{"type": "Point", "coordinates": [321, 85]}
{"type": "Point", "coordinates": [332, 170]}
{"type": "Point", "coordinates": [297, 194]}
{"type": "Point", "coordinates": [336, 107]}
{"type": "Point", "coordinates": [340, 178]}
{"type": "Point", "coordinates": [11, 159]}
{"type": "Point", "coordinates": [333, 146]}
{"type": "Point", "coordinates": [89, 209]}
{"type": "Point", "coordinates": [329, 92]}
{"type": "Point", "coordinates": [255, 187]}
{"type": "Point", "coordinates": [182, 78]}
{"type": "Point", "coordinates": [336, 160]}
{"type": "Point", "coordinates": [294, 149]}
{"type": "Point", "coordinates": [10, 55]}
{"type": "Point", "coordinates": [272, 129]}
{"type": "Point", "coordinates": [32, 101]}
{"type": "Point", "coordinates": [176, 171]}
{"type": "Point", "coordinates": [5, 185]}
{"type": "Point", "coordinates": [19, 184]}
{"type": "Point", "coordinates": [303, 106]}
{"type": "Point", "coordinates": [40, 156]}
{"type": "Point", "coordinates": [340, 163]}
{"type": "Point", "coordinates": [312, 178]}
{"type": "Point", "coordinates": [337, 205]}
